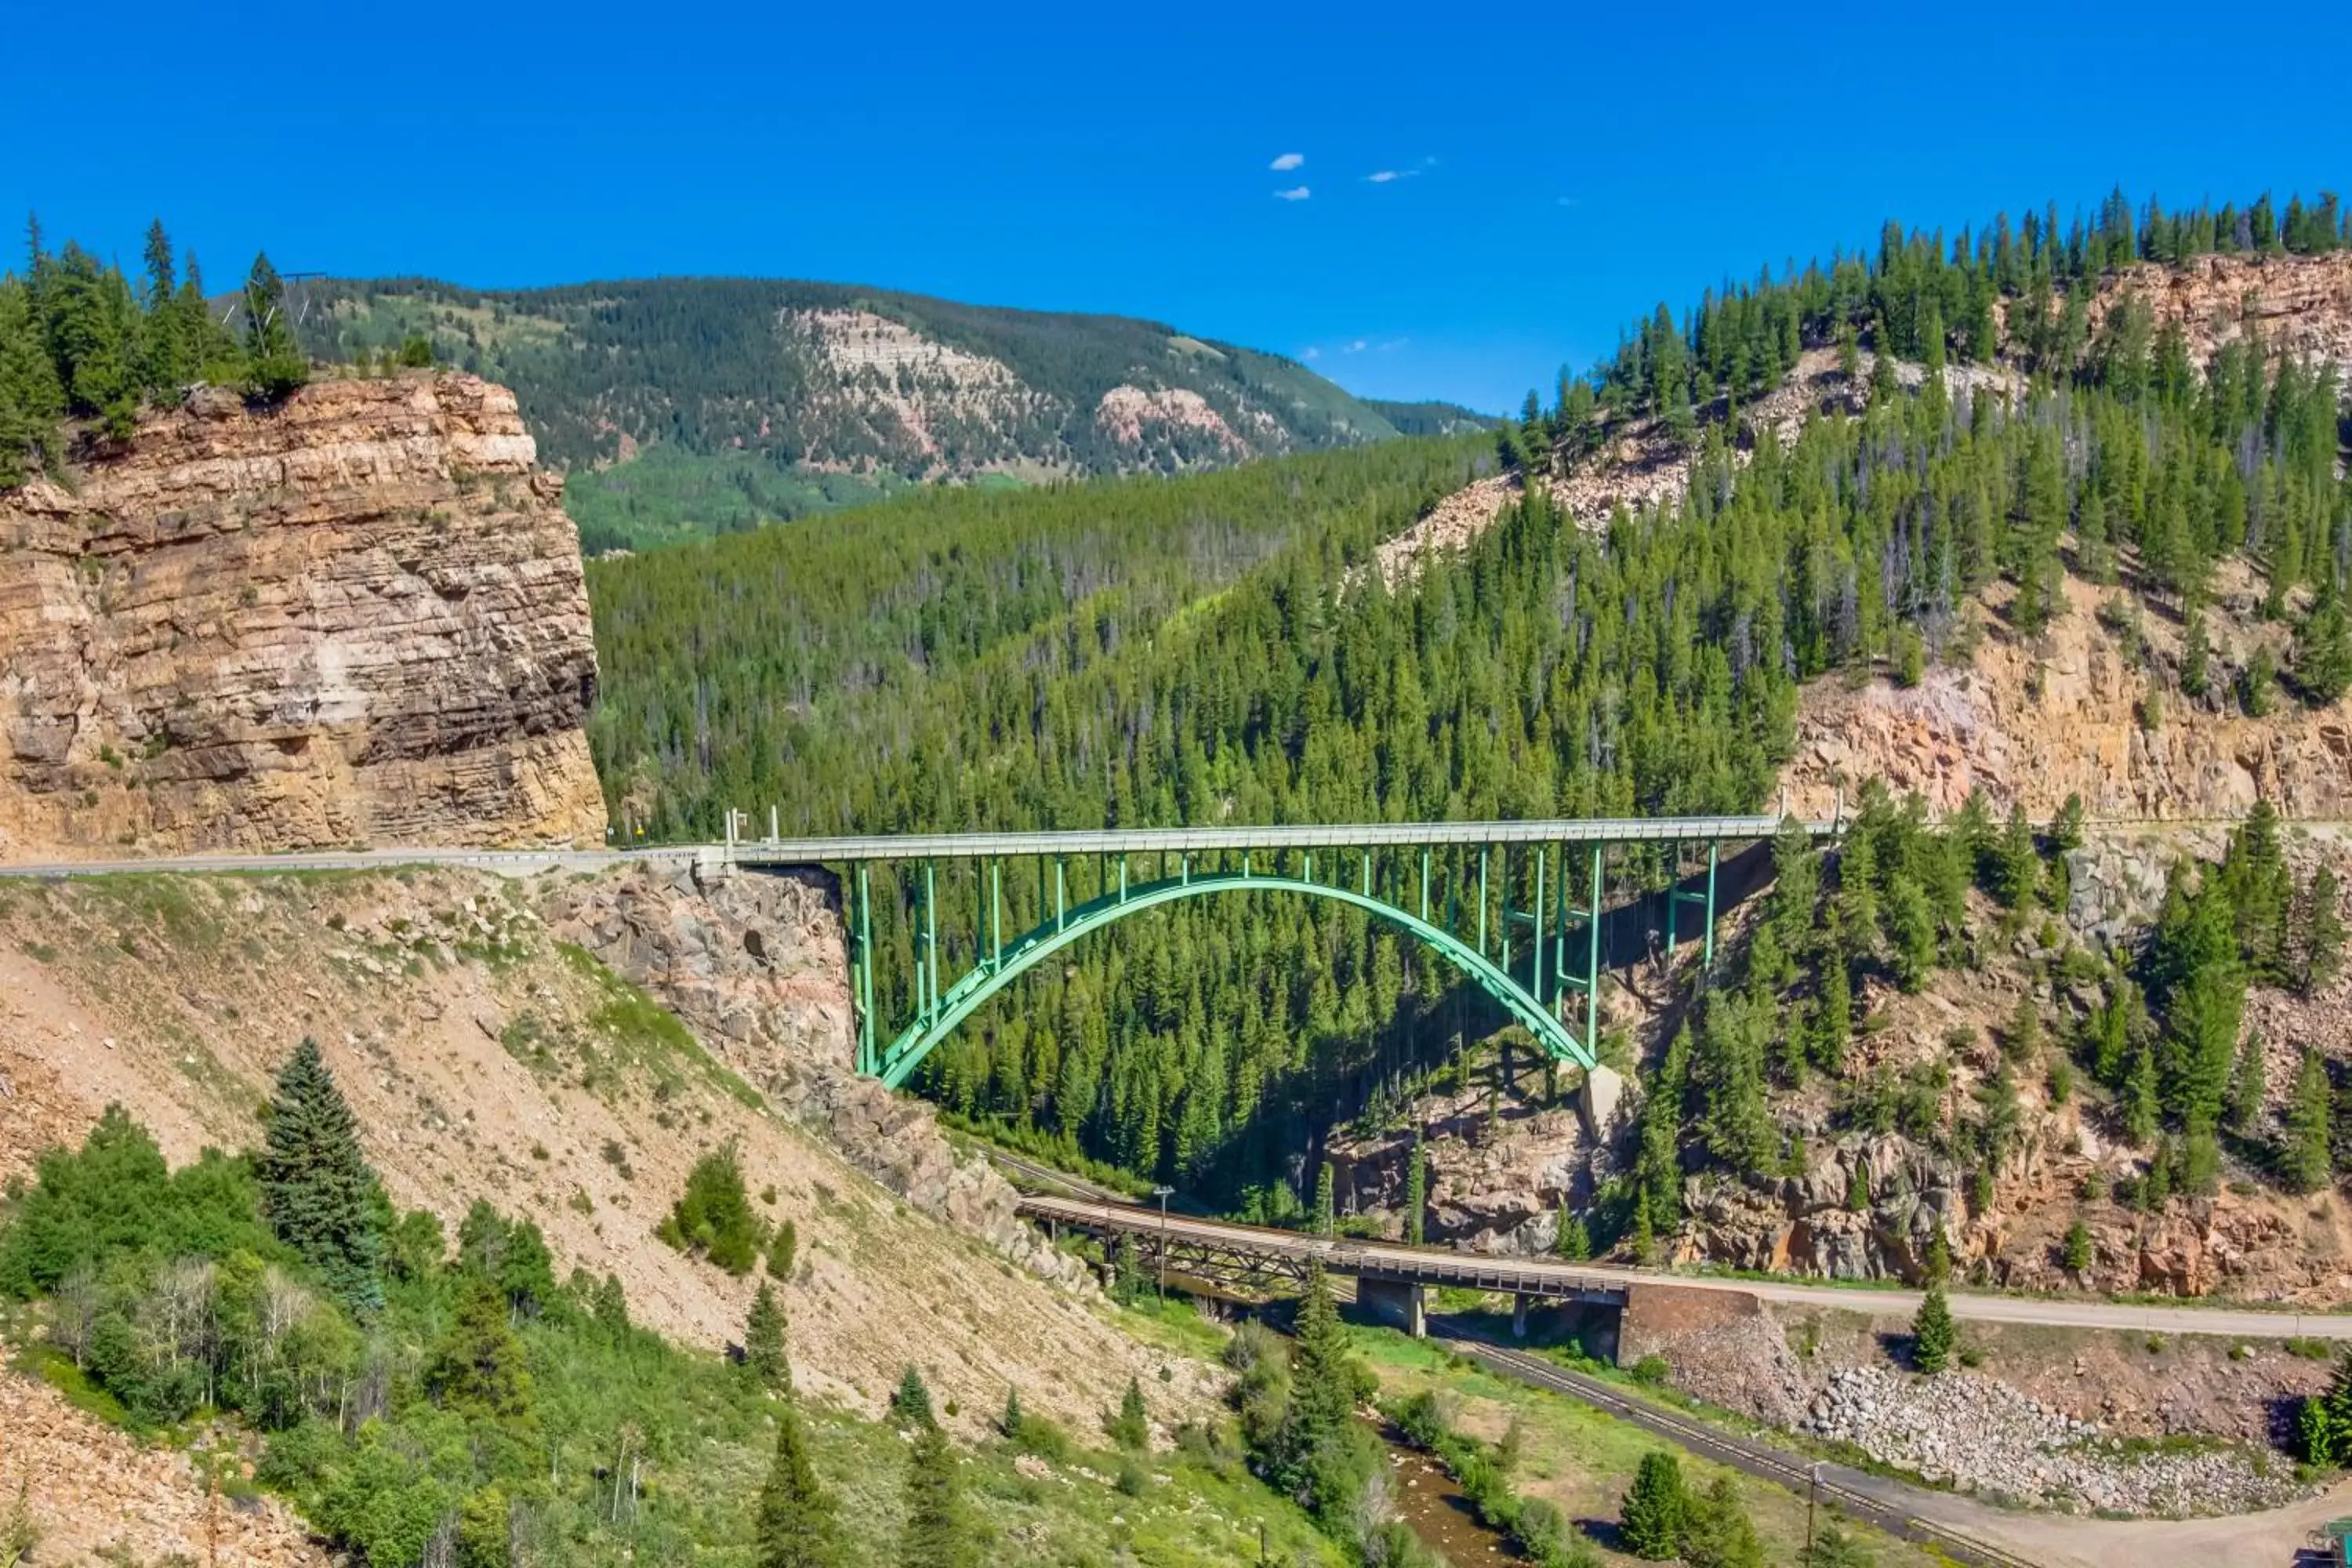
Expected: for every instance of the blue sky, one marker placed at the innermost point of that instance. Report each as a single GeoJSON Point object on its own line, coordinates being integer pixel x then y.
{"type": "Point", "coordinates": [1554, 169]}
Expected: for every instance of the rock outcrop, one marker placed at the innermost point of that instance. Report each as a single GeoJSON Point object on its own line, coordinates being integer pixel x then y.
{"type": "Point", "coordinates": [755, 965]}
{"type": "Point", "coordinates": [358, 616]}
{"type": "Point", "coordinates": [94, 1493]}
{"type": "Point", "coordinates": [2033, 720]}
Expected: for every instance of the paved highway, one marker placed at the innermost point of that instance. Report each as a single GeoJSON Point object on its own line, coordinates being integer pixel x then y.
{"type": "Point", "coordinates": [968, 846]}
{"type": "Point", "coordinates": [980, 846]}
{"type": "Point", "coordinates": [1436, 1265]}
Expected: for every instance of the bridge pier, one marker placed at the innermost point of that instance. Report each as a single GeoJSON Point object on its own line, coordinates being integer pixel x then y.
{"type": "Point", "coordinates": [1596, 1102]}
{"type": "Point", "coordinates": [1400, 1303]}
{"type": "Point", "coordinates": [1519, 1314]}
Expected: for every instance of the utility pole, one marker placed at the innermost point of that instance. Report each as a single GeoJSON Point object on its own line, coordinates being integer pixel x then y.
{"type": "Point", "coordinates": [1161, 1193]}
{"type": "Point", "coordinates": [1812, 1497]}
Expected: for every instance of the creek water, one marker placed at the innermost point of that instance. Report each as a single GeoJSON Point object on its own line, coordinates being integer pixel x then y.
{"type": "Point", "coordinates": [1433, 1508]}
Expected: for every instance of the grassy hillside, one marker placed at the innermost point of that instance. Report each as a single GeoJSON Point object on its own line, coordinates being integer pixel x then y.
{"type": "Point", "coordinates": [774, 399]}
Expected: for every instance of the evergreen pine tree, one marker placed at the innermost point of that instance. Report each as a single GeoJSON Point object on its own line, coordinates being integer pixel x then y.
{"type": "Point", "coordinates": [2078, 1246]}
{"type": "Point", "coordinates": [317, 1191]}
{"type": "Point", "coordinates": [910, 1404]}
{"type": "Point", "coordinates": [1719, 1533]}
{"type": "Point", "coordinates": [1650, 1524]}
{"type": "Point", "coordinates": [2246, 1084]}
{"type": "Point", "coordinates": [2305, 1164]}
{"type": "Point", "coordinates": [2322, 651]}
{"type": "Point", "coordinates": [763, 1343]}
{"type": "Point", "coordinates": [275, 363]}
{"type": "Point", "coordinates": [1417, 1192]}
{"type": "Point", "coordinates": [2319, 936]}
{"type": "Point", "coordinates": [1313, 1447]}
{"type": "Point", "coordinates": [2140, 1105]}
{"type": "Point", "coordinates": [1008, 1426]}
{"type": "Point", "coordinates": [1131, 1427]}
{"type": "Point", "coordinates": [794, 1526]}
{"type": "Point", "coordinates": [1326, 1220]}
{"type": "Point", "coordinates": [1933, 1331]}
{"type": "Point", "coordinates": [479, 1366]}
{"type": "Point", "coordinates": [939, 1533]}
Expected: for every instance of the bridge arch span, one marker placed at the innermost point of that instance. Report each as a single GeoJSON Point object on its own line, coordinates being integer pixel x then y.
{"type": "Point", "coordinates": [894, 1063]}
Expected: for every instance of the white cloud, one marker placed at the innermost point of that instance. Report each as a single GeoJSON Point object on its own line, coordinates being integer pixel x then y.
{"type": "Point", "coordinates": [1296, 194]}
{"type": "Point", "coordinates": [1390, 176]}
{"type": "Point", "coordinates": [1288, 162]}
{"type": "Point", "coordinates": [1356, 348]}
{"type": "Point", "coordinates": [1310, 352]}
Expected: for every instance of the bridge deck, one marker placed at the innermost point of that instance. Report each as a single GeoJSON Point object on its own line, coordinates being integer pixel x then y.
{"type": "Point", "coordinates": [1342, 1254]}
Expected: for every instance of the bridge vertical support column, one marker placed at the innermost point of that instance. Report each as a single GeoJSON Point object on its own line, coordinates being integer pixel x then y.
{"type": "Point", "coordinates": [1503, 914]}
{"type": "Point", "coordinates": [1592, 958]}
{"type": "Point", "coordinates": [1674, 891]}
{"type": "Point", "coordinates": [931, 936]}
{"type": "Point", "coordinates": [1424, 884]}
{"type": "Point", "coordinates": [1519, 1314]}
{"type": "Point", "coordinates": [996, 911]}
{"type": "Point", "coordinates": [1482, 900]}
{"type": "Point", "coordinates": [1537, 911]}
{"type": "Point", "coordinates": [864, 988]}
{"type": "Point", "coordinates": [1714, 846]}
{"type": "Point", "coordinates": [1560, 932]}
{"type": "Point", "coordinates": [1061, 899]}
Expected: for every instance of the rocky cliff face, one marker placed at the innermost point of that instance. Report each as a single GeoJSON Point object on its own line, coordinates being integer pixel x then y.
{"type": "Point", "coordinates": [355, 617]}
{"type": "Point", "coordinates": [2036, 720]}
{"type": "Point", "coordinates": [755, 965]}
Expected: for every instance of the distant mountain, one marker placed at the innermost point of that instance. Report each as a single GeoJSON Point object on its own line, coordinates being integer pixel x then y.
{"type": "Point", "coordinates": [1431, 417]}
{"type": "Point", "coordinates": [685, 407]}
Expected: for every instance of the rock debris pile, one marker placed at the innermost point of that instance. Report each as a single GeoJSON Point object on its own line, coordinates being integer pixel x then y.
{"type": "Point", "coordinates": [1981, 1434]}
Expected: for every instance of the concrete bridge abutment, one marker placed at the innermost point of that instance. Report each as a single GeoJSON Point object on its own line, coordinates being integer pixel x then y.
{"type": "Point", "coordinates": [1400, 1303]}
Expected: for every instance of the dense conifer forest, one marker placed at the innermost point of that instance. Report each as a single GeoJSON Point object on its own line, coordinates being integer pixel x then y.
{"type": "Point", "coordinates": [81, 341]}
{"type": "Point", "coordinates": [1651, 668]}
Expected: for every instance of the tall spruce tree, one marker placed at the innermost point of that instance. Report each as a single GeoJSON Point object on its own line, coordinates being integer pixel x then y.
{"type": "Point", "coordinates": [1417, 1192]}
{"type": "Point", "coordinates": [763, 1342]}
{"type": "Point", "coordinates": [2303, 1164]}
{"type": "Point", "coordinates": [2319, 934]}
{"type": "Point", "coordinates": [317, 1191]}
{"type": "Point", "coordinates": [1656, 1507]}
{"type": "Point", "coordinates": [275, 363]}
{"type": "Point", "coordinates": [794, 1527]}
{"type": "Point", "coordinates": [1719, 1533]}
{"type": "Point", "coordinates": [939, 1532]}
{"type": "Point", "coordinates": [1314, 1448]}
{"type": "Point", "coordinates": [910, 1403]}
{"type": "Point", "coordinates": [1933, 1331]}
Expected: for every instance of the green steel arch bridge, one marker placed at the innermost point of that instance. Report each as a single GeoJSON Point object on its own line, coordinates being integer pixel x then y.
{"type": "Point", "coordinates": [1516, 907]}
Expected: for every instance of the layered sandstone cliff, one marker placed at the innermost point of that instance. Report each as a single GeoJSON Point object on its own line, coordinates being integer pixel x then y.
{"type": "Point", "coordinates": [357, 617]}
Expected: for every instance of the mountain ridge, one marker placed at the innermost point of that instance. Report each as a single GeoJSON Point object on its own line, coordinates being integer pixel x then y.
{"type": "Point", "coordinates": [772, 398]}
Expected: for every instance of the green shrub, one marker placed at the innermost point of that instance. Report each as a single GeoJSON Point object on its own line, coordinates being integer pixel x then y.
{"type": "Point", "coordinates": [713, 1217]}
{"type": "Point", "coordinates": [1653, 1370]}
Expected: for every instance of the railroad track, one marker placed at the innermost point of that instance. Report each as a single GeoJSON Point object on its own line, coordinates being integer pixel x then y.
{"type": "Point", "coordinates": [1756, 1459]}
{"type": "Point", "coordinates": [1024, 1170]}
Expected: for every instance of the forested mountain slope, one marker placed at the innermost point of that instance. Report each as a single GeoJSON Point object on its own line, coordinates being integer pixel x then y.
{"type": "Point", "coordinates": [1653, 665]}
{"type": "Point", "coordinates": [729, 402]}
